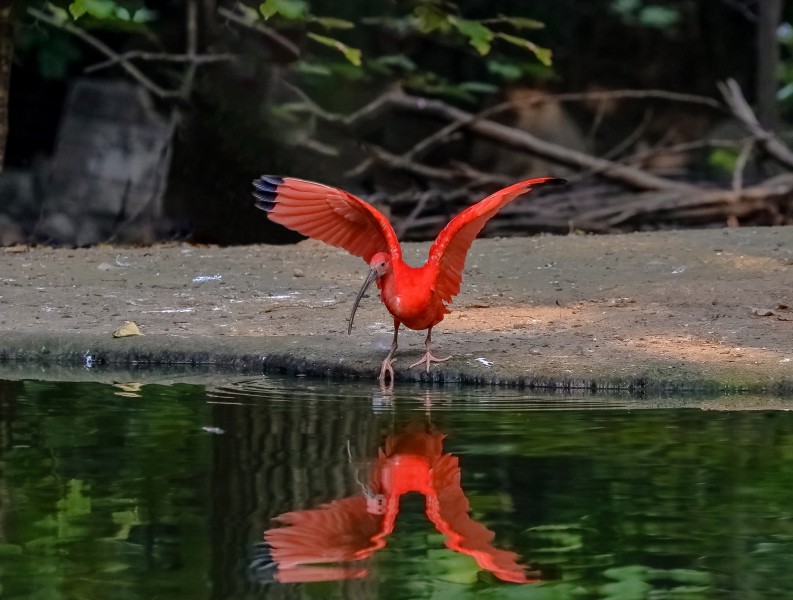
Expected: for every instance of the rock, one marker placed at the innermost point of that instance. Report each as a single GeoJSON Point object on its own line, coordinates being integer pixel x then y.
{"type": "Point", "coordinates": [11, 234]}
{"type": "Point", "coordinates": [110, 164]}
{"type": "Point", "coordinates": [129, 328]}
{"type": "Point", "coordinates": [57, 229]}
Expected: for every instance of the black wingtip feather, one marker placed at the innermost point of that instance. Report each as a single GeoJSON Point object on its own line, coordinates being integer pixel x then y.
{"type": "Point", "coordinates": [555, 181]}
{"type": "Point", "coordinates": [266, 191]}
{"type": "Point", "coordinates": [264, 201]}
{"type": "Point", "coordinates": [268, 182]}
{"type": "Point", "coordinates": [262, 567]}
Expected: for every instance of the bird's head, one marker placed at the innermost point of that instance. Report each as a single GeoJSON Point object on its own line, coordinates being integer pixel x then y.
{"type": "Point", "coordinates": [379, 266]}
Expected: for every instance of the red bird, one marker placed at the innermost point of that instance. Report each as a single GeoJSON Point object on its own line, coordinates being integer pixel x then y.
{"type": "Point", "coordinates": [415, 296]}
{"type": "Point", "coordinates": [325, 543]}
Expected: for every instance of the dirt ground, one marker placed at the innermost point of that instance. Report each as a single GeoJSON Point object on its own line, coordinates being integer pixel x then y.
{"type": "Point", "coordinates": [664, 310]}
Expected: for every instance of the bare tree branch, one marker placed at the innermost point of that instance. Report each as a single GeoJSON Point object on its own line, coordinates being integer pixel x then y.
{"type": "Point", "coordinates": [770, 142]}
{"type": "Point", "coordinates": [258, 26]}
{"type": "Point", "coordinates": [131, 69]}
{"type": "Point", "coordinates": [632, 94]}
{"type": "Point", "coordinates": [421, 148]}
{"type": "Point", "coordinates": [509, 136]}
{"type": "Point", "coordinates": [191, 34]}
{"type": "Point", "coordinates": [684, 147]}
{"type": "Point", "coordinates": [525, 141]}
{"type": "Point", "coordinates": [159, 57]}
{"type": "Point", "coordinates": [406, 223]}
{"type": "Point", "coordinates": [740, 165]}
{"type": "Point", "coordinates": [665, 204]}
{"type": "Point", "coordinates": [402, 163]}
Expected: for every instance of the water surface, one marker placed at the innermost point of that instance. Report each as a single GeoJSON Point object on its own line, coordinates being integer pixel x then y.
{"type": "Point", "coordinates": [152, 491]}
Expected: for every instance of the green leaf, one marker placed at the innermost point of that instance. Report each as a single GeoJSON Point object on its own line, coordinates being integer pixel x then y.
{"type": "Point", "coordinates": [429, 18]}
{"type": "Point", "coordinates": [518, 22]}
{"type": "Point", "coordinates": [99, 9]}
{"type": "Point", "coordinates": [289, 9]}
{"type": "Point", "coordinates": [249, 15]}
{"type": "Point", "coordinates": [543, 54]}
{"type": "Point", "coordinates": [347, 70]}
{"type": "Point", "coordinates": [311, 68]}
{"type": "Point", "coordinates": [77, 9]}
{"type": "Point", "coordinates": [144, 15]}
{"type": "Point", "coordinates": [351, 54]}
{"type": "Point", "coordinates": [429, 83]}
{"type": "Point", "coordinates": [268, 9]}
{"type": "Point", "coordinates": [391, 62]}
{"type": "Point", "coordinates": [58, 14]}
{"type": "Point", "coordinates": [785, 92]}
{"type": "Point", "coordinates": [723, 159]}
{"type": "Point", "coordinates": [478, 35]}
{"type": "Point", "coordinates": [659, 17]}
{"type": "Point", "coordinates": [507, 71]}
{"type": "Point", "coordinates": [332, 22]}
{"type": "Point", "coordinates": [479, 87]}
{"type": "Point", "coordinates": [625, 7]}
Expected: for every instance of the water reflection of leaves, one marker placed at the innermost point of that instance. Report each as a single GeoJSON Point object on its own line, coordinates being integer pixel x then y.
{"type": "Point", "coordinates": [352, 529]}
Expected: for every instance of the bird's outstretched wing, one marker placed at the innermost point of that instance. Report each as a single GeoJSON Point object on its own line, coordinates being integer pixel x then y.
{"type": "Point", "coordinates": [448, 252]}
{"type": "Point", "coordinates": [340, 531]}
{"type": "Point", "coordinates": [328, 214]}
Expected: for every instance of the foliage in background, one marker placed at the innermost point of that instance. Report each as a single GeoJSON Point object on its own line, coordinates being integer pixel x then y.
{"type": "Point", "coordinates": [440, 22]}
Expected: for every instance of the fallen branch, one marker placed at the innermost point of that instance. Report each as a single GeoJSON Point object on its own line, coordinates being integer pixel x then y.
{"type": "Point", "coordinates": [619, 94]}
{"type": "Point", "coordinates": [509, 136]}
{"type": "Point", "coordinates": [516, 138]}
{"type": "Point", "coordinates": [770, 142]}
{"type": "Point", "coordinates": [668, 206]}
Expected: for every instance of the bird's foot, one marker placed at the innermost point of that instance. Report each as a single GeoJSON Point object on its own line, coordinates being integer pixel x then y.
{"type": "Point", "coordinates": [387, 369]}
{"type": "Point", "coordinates": [428, 358]}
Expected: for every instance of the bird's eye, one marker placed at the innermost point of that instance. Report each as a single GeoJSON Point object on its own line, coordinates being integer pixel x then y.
{"type": "Point", "coordinates": [382, 264]}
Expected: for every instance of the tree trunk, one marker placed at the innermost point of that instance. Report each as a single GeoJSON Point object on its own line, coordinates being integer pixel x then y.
{"type": "Point", "coordinates": [768, 62]}
{"type": "Point", "coordinates": [6, 55]}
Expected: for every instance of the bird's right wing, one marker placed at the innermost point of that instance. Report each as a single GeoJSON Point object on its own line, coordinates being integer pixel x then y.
{"type": "Point", "coordinates": [328, 214]}
{"type": "Point", "coordinates": [448, 252]}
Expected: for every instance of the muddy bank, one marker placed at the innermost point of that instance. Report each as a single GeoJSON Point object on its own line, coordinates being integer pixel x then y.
{"type": "Point", "coordinates": [690, 310]}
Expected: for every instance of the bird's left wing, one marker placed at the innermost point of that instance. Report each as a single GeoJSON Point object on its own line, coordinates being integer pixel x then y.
{"type": "Point", "coordinates": [448, 252]}
{"type": "Point", "coordinates": [328, 214]}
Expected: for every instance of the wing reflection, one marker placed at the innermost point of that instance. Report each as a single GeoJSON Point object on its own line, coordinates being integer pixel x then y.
{"type": "Point", "coordinates": [309, 544]}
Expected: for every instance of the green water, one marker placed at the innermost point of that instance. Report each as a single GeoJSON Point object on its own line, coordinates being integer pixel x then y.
{"type": "Point", "coordinates": [152, 491]}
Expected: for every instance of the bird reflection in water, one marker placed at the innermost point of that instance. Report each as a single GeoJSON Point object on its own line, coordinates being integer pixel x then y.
{"type": "Point", "coordinates": [317, 544]}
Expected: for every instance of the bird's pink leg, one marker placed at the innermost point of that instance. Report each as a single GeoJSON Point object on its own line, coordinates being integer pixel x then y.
{"type": "Point", "coordinates": [387, 367]}
{"type": "Point", "coordinates": [428, 358]}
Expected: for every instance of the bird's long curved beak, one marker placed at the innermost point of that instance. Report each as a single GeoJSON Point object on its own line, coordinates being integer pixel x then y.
{"type": "Point", "coordinates": [369, 279]}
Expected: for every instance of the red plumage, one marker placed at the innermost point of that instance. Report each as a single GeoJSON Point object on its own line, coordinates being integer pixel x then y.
{"type": "Point", "coordinates": [415, 296]}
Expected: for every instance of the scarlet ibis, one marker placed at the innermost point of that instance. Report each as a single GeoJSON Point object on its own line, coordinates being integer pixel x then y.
{"type": "Point", "coordinates": [352, 529]}
{"type": "Point", "coordinates": [416, 297]}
